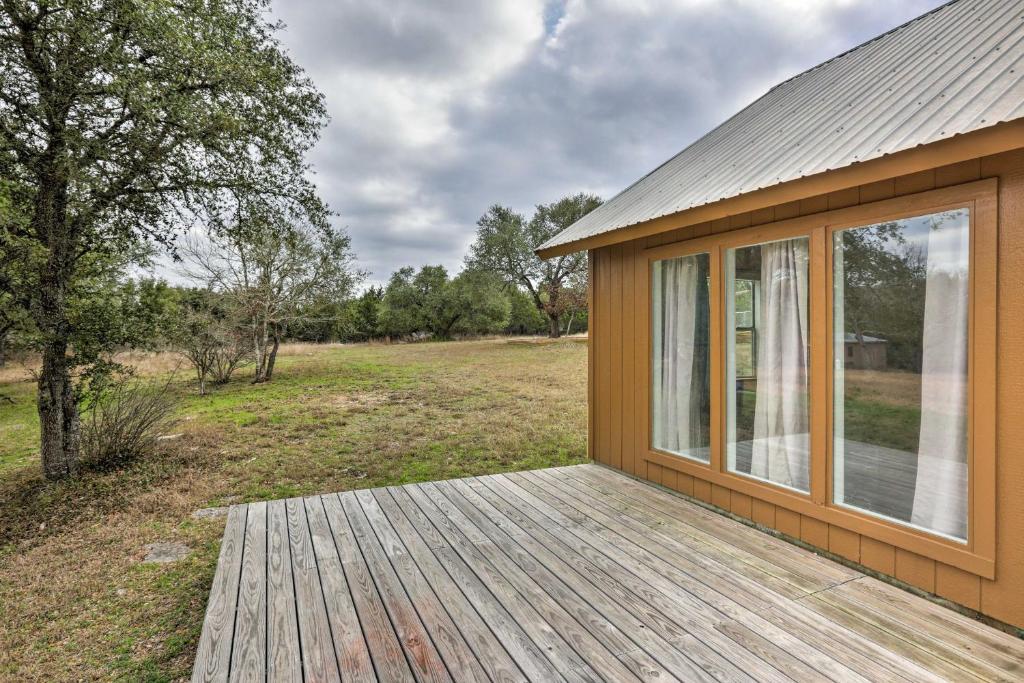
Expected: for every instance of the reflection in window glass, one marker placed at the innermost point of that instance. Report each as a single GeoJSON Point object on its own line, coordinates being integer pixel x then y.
{"type": "Point", "coordinates": [767, 362]}
{"type": "Point", "coordinates": [900, 381]}
{"type": "Point", "coordinates": [681, 399]}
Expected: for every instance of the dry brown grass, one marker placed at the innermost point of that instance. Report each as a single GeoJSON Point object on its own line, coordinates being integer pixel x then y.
{"type": "Point", "coordinates": [78, 604]}
{"type": "Point", "coordinates": [894, 388]}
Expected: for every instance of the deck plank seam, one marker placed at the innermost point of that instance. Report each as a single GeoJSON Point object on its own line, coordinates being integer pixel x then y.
{"type": "Point", "coordinates": [430, 586]}
{"type": "Point", "coordinates": [621, 568]}
{"type": "Point", "coordinates": [320, 582]}
{"type": "Point", "coordinates": [238, 593]}
{"type": "Point", "coordinates": [632, 572]}
{"type": "Point", "coordinates": [825, 589]}
{"type": "Point", "coordinates": [468, 598]}
{"type": "Point", "coordinates": [405, 592]}
{"type": "Point", "coordinates": [477, 572]}
{"type": "Point", "coordinates": [568, 498]}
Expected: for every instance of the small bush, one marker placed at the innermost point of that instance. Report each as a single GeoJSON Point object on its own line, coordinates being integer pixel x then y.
{"type": "Point", "coordinates": [123, 422]}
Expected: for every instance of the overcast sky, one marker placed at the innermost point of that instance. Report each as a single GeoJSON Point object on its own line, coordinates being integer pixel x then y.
{"type": "Point", "coordinates": [440, 108]}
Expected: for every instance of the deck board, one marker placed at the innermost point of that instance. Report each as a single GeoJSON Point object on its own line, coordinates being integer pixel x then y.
{"type": "Point", "coordinates": [576, 573]}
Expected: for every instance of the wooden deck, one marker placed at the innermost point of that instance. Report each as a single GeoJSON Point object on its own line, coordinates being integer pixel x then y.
{"type": "Point", "coordinates": [574, 573]}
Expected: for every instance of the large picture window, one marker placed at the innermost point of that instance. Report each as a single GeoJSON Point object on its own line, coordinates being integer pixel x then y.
{"type": "Point", "coordinates": [839, 365]}
{"type": "Point", "coordinates": [900, 345]}
{"type": "Point", "coordinates": [768, 429]}
{"type": "Point", "coordinates": [681, 417]}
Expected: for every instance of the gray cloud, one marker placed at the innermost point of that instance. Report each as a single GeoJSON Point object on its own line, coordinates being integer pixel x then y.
{"type": "Point", "coordinates": [440, 109]}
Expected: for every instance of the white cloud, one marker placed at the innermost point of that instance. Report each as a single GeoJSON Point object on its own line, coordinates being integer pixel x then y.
{"type": "Point", "coordinates": [440, 109]}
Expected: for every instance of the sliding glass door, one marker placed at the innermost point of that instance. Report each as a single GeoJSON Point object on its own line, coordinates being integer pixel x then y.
{"type": "Point", "coordinates": [900, 344]}
{"type": "Point", "coordinates": [681, 415]}
{"type": "Point", "coordinates": [838, 365]}
{"type": "Point", "coordinates": [767, 368]}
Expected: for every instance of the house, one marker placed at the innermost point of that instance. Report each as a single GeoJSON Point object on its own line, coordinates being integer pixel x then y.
{"type": "Point", "coordinates": [882, 190]}
{"type": "Point", "coordinates": [864, 353]}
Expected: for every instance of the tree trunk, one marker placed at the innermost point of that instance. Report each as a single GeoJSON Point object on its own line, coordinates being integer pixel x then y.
{"type": "Point", "coordinates": [554, 329]}
{"type": "Point", "coordinates": [58, 409]}
{"type": "Point", "coordinates": [271, 357]}
{"type": "Point", "coordinates": [58, 413]}
{"type": "Point", "coordinates": [259, 338]}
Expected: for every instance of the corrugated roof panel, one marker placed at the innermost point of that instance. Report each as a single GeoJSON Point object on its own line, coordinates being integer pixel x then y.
{"type": "Point", "coordinates": [957, 69]}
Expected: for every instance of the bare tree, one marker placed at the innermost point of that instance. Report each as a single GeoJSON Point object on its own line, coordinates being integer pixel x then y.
{"type": "Point", "coordinates": [272, 275]}
{"type": "Point", "coordinates": [212, 345]}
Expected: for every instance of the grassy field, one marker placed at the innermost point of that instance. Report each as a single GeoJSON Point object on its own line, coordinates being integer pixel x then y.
{"type": "Point", "coordinates": [77, 602]}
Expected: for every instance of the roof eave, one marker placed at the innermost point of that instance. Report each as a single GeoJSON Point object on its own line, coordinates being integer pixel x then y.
{"type": "Point", "coordinates": [1001, 137]}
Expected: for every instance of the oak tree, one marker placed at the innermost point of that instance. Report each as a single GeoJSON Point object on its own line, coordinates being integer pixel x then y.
{"type": "Point", "coordinates": [121, 122]}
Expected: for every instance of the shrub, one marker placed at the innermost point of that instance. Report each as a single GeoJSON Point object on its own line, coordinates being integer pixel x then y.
{"type": "Point", "coordinates": [123, 421]}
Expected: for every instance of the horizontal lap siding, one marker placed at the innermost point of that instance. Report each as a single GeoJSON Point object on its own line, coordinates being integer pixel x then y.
{"type": "Point", "coordinates": [619, 387]}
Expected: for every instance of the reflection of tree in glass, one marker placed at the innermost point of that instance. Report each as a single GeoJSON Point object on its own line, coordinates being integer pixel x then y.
{"type": "Point", "coordinates": [884, 287]}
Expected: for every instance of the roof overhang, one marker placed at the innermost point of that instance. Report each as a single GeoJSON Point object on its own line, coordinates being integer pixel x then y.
{"type": "Point", "coordinates": [995, 139]}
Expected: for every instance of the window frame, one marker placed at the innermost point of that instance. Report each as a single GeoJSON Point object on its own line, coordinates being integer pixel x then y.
{"type": "Point", "coordinates": [977, 555]}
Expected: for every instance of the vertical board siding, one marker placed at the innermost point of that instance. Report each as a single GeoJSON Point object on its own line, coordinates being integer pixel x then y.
{"type": "Point", "coordinates": [619, 386]}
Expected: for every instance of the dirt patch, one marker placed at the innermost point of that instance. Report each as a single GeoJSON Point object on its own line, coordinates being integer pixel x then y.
{"type": "Point", "coordinates": [357, 402]}
{"type": "Point", "coordinates": [162, 552]}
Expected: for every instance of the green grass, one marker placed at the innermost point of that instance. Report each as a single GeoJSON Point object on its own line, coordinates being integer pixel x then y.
{"type": "Point", "coordinates": [77, 602]}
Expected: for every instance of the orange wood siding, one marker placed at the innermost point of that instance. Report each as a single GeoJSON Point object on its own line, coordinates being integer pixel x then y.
{"type": "Point", "coordinates": [620, 387]}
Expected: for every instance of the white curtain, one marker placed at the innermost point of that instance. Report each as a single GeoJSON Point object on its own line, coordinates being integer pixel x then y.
{"type": "Point", "coordinates": [678, 290]}
{"type": "Point", "coordinates": [940, 494]}
{"type": "Point", "coordinates": [781, 440]}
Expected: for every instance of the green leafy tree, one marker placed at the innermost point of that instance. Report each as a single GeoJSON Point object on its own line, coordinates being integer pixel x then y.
{"type": "Point", "coordinates": [524, 317]}
{"type": "Point", "coordinates": [364, 315]}
{"type": "Point", "coordinates": [429, 302]}
{"type": "Point", "coordinates": [506, 243]}
{"type": "Point", "coordinates": [121, 122]}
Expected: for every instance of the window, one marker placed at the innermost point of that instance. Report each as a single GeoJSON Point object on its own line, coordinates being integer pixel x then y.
{"type": "Point", "coordinates": [768, 424]}
{"type": "Point", "coordinates": [839, 365]}
{"type": "Point", "coordinates": [900, 309]}
{"type": "Point", "coordinates": [681, 417]}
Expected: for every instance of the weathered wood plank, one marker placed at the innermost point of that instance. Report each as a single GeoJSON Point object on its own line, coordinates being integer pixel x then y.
{"type": "Point", "coordinates": [996, 646]}
{"type": "Point", "coordinates": [679, 580]}
{"type": "Point", "coordinates": [805, 569]}
{"type": "Point", "coordinates": [353, 655]}
{"type": "Point", "coordinates": [420, 650]}
{"type": "Point", "coordinates": [388, 658]}
{"type": "Point", "coordinates": [249, 652]}
{"type": "Point", "coordinates": [518, 606]}
{"type": "Point", "coordinates": [284, 658]}
{"type": "Point", "coordinates": [388, 520]}
{"type": "Point", "coordinates": [319, 661]}
{"type": "Point", "coordinates": [956, 646]}
{"type": "Point", "coordinates": [595, 639]}
{"type": "Point", "coordinates": [780, 579]}
{"type": "Point", "coordinates": [577, 573]}
{"type": "Point", "coordinates": [623, 596]}
{"type": "Point", "coordinates": [528, 655]}
{"type": "Point", "coordinates": [581, 596]}
{"type": "Point", "coordinates": [214, 654]}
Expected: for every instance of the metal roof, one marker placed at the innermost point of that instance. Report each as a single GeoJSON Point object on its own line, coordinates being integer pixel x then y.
{"type": "Point", "coordinates": [956, 69]}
